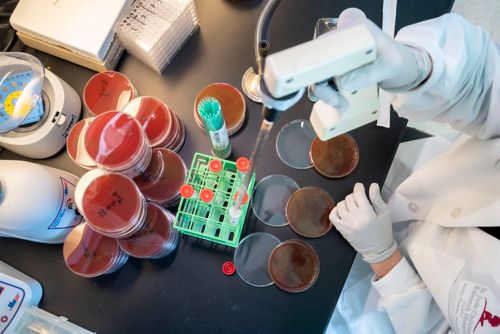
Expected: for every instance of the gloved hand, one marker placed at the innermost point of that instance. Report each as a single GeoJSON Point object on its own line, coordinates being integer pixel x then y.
{"type": "Point", "coordinates": [365, 224]}
{"type": "Point", "coordinates": [398, 67]}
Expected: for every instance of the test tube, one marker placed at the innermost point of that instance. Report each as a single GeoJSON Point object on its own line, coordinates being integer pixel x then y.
{"type": "Point", "coordinates": [210, 112]}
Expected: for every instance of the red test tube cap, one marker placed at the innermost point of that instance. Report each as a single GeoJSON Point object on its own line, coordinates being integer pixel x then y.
{"type": "Point", "coordinates": [186, 191]}
{"type": "Point", "coordinates": [215, 166]}
{"type": "Point", "coordinates": [244, 200]}
{"type": "Point", "coordinates": [243, 164]}
{"type": "Point", "coordinates": [228, 268]}
{"type": "Point", "coordinates": [206, 195]}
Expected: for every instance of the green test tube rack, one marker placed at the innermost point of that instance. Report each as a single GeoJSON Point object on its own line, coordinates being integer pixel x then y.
{"type": "Point", "coordinates": [211, 221]}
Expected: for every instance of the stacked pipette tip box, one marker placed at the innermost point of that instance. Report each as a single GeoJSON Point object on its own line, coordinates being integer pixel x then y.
{"type": "Point", "coordinates": [153, 31]}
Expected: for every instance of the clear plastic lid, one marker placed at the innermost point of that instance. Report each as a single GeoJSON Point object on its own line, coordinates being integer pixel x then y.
{"type": "Point", "coordinates": [154, 116]}
{"type": "Point", "coordinates": [107, 91]}
{"type": "Point", "coordinates": [21, 82]}
{"type": "Point", "coordinates": [270, 197]}
{"type": "Point", "coordinates": [294, 266]}
{"type": "Point", "coordinates": [336, 157]}
{"type": "Point", "coordinates": [308, 210]}
{"type": "Point", "coordinates": [294, 142]}
{"type": "Point", "coordinates": [252, 256]}
{"type": "Point", "coordinates": [33, 320]}
{"type": "Point", "coordinates": [114, 140]}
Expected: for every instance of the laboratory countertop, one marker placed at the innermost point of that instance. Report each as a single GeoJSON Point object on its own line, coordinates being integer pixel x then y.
{"type": "Point", "coordinates": [187, 291]}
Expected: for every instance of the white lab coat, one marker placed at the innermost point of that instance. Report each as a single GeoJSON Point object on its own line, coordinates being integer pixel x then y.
{"type": "Point", "coordinates": [449, 280]}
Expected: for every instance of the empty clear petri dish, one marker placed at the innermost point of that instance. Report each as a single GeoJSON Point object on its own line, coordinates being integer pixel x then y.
{"type": "Point", "coordinates": [294, 266]}
{"type": "Point", "coordinates": [252, 256]}
{"type": "Point", "coordinates": [270, 197]}
{"type": "Point", "coordinates": [308, 210]}
{"type": "Point", "coordinates": [336, 157]}
{"type": "Point", "coordinates": [294, 142]}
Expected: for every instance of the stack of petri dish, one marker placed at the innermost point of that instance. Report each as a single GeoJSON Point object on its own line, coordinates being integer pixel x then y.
{"type": "Point", "coordinates": [107, 91]}
{"type": "Point", "coordinates": [111, 203]}
{"type": "Point", "coordinates": [232, 103]}
{"type": "Point", "coordinates": [75, 144]}
{"type": "Point", "coordinates": [162, 126]}
{"type": "Point", "coordinates": [156, 239]}
{"type": "Point", "coordinates": [118, 143]}
{"type": "Point", "coordinates": [90, 254]}
{"type": "Point", "coordinates": [162, 180]}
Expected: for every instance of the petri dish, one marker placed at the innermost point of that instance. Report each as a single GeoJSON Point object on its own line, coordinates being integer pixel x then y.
{"type": "Point", "coordinates": [167, 187]}
{"type": "Point", "coordinates": [75, 144]}
{"type": "Point", "coordinates": [294, 142]}
{"type": "Point", "coordinates": [294, 266]}
{"type": "Point", "coordinates": [90, 254]}
{"type": "Point", "coordinates": [336, 157]}
{"type": "Point", "coordinates": [270, 197]}
{"type": "Point", "coordinates": [307, 212]}
{"type": "Point", "coordinates": [232, 103]}
{"type": "Point", "coordinates": [117, 142]}
{"type": "Point", "coordinates": [111, 204]}
{"type": "Point", "coordinates": [153, 172]}
{"type": "Point", "coordinates": [107, 91]}
{"type": "Point", "coordinates": [252, 256]}
{"type": "Point", "coordinates": [156, 237]}
{"type": "Point", "coordinates": [154, 116]}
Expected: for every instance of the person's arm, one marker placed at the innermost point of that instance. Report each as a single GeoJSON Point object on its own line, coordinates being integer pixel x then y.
{"type": "Point", "coordinates": [364, 222]}
{"type": "Point", "coordinates": [463, 88]}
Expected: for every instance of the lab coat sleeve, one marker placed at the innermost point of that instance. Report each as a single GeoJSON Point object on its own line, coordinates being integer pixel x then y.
{"type": "Point", "coordinates": [408, 302]}
{"type": "Point", "coordinates": [463, 88]}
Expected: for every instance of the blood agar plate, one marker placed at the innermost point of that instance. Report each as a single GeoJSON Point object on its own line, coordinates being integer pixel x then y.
{"type": "Point", "coordinates": [232, 103]}
{"type": "Point", "coordinates": [165, 188]}
{"type": "Point", "coordinates": [336, 157]}
{"type": "Point", "coordinates": [90, 254]}
{"type": "Point", "coordinates": [294, 266]}
{"type": "Point", "coordinates": [270, 197]}
{"type": "Point", "coordinates": [157, 238]}
{"type": "Point", "coordinates": [154, 116]}
{"type": "Point", "coordinates": [252, 256]}
{"type": "Point", "coordinates": [112, 204]}
{"type": "Point", "coordinates": [294, 142]}
{"type": "Point", "coordinates": [75, 144]}
{"type": "Point", "coordinates": [107, 91]}
{"type": "Point", "coordinates": [117, 142]}
{"type": "Point", "coordinates": [307, 212]}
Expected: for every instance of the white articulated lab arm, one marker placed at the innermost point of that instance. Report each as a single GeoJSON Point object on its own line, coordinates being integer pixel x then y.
{"type": "Point", "coordinates": [329, 56]}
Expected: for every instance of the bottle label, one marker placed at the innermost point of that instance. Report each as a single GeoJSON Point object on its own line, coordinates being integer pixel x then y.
{"type": "Point", "coordinates": [11, 298]}
{"type": "Point", "coordinates": [66, 216]}
{"type": "Point", "coordinates": [220, 139]}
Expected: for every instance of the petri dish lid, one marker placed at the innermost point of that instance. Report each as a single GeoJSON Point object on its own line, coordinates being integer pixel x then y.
{"type": "Point", "coordinates": [172, 179]}
{"type": "Point", "coordinates": [21, 82]}
{"type": "Point", "coordinates": [294, 142]}
{"type": "Point", "coordinates": [75, 144]}
{"type": "Point", "coordinates": [270, 197]}
{"type": "Point", "coordinates": [107, 91]}
{"type": "Point", "coordinates": [252, 256]}
{"type": "Point", "coordinates": [151, 238]}
{"type": "Point", "coordinates": [111, 202]}
{"type": "Point", "coordinates": [154, 116]}
{"type": "Point", "coordinates": [113, 139]}
{"type": "Point", "coordinates": [232, 103]}
{"type": "Point", "coordinates": [88, 253]}
{"type": "Point", "coordinates": [308, 210]}
{"type": "Point", "coordinates": [336, 157]}
{"type": "Point", "coordinates": [294, 266]}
